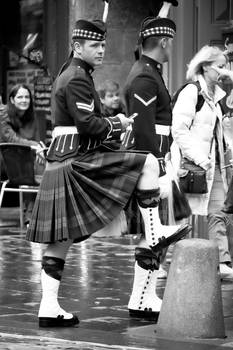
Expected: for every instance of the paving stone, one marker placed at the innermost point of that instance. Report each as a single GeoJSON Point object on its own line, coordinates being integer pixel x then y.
{"type": "Point", "coordinates": [96, 284]}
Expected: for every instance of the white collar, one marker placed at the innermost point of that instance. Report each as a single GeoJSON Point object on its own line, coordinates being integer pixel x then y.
{"type": "Point", "coordinates": [219, 92]}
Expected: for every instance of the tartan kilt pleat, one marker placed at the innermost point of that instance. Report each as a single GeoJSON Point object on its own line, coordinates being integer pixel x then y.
{"type": "Point", "coordinates": [78, 197]}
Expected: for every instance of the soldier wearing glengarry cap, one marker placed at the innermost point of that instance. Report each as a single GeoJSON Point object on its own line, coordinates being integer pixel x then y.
{"type": "Point", "coordinates": [86, 184]}
{"type": "Point", "coordinates": [146, 94]}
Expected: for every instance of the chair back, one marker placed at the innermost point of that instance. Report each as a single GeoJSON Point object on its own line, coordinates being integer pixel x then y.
{"type": "Point", "coordinates": [19, 163]}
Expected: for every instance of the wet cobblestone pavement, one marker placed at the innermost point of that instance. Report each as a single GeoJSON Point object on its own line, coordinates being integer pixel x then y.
{"type": "Point", "coordinates": [96, 284]}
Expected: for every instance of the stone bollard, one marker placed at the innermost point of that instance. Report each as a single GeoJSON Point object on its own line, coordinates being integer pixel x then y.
{"type": "Point", "coordinates": [192, 302]}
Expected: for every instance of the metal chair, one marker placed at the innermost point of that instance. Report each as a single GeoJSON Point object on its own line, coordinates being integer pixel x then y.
{"type": "Point", "coordinates": [19, 163]}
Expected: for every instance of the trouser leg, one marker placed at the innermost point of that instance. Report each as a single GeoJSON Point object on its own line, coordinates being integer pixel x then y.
{"type": "Point", "coordinates": [228, 204]}
{"type": "Point", "coordinates": [217, 230]}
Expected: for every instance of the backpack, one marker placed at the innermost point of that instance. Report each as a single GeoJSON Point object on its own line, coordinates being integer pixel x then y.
{"type": "Point", "coordinates": [200, 98]}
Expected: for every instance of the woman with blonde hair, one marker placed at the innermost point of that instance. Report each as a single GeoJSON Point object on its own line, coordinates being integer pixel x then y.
{"type": "Point", "coordinates": [199, 134]}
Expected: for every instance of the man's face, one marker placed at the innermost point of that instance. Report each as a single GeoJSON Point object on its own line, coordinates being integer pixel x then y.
{"type": "Point", "coordinates": [111, 99]}
{"type": "Point", "coordinates": [167, 49]}
{"type": "Point", "coordinates": [92, 52]}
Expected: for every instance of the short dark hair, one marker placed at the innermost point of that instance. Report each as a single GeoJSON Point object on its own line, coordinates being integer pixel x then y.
{"type": "Point", "coordinates": [108, 85]}
{"type": "Point", "coordinates": [79, 40]}
{"type": "Point", "coordinates": [151, 42]}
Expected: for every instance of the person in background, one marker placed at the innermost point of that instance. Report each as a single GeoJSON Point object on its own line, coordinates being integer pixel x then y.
{"type": "Point", "coordinates": [18, 125]}
{"type": "Point", "coordinates": [111, 105]}
{"type": "Point", "coordinates": [111, 102]}
{"type": "Point", "coordinates": [200, 137]}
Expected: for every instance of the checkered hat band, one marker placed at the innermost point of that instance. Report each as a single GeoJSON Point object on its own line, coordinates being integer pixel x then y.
{"type": "Point", "coordinates": [86, 34]}
{"type": "Point", "coordinates": [158, 31]}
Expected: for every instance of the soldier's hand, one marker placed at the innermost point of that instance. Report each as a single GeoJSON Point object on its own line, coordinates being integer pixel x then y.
{"type": "Point", "coordinates": [125, 122]}
{"type": "Point", "coordinates": [40, 155]}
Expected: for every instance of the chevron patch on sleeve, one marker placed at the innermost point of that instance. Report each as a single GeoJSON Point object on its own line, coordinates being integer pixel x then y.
{"type": "Point", "coordinates": [86, 106]}
{"type": "Point", "coordinates": [146, 103]}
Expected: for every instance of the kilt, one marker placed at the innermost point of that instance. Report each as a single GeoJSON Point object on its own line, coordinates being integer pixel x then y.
{"type": "Point", "coordinates": [79, 196]}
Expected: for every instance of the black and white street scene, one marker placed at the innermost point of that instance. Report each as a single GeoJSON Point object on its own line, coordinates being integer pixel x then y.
{"type": "Point", "coordinates": [116, 174]}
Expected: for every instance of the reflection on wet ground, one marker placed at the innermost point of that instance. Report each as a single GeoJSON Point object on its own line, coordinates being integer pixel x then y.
{"type": "Point", "coordinates": [97, 282]}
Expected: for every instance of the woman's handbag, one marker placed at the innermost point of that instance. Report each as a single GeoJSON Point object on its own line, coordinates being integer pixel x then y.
{"type": "Point", "coordinates": [177, 204]}
{"type": "Point", "coordinates": [192, 178]}
{"type": "Point", "coordinates": [181, 206]}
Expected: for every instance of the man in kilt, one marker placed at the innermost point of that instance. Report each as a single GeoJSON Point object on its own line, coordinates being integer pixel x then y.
{"type": "Point", "coordinates": [86, 184]}
{"type": "Point", "coordinates": [146, 94]}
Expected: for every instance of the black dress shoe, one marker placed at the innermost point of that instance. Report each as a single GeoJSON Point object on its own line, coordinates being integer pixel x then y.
{"type": "Point", "coordinates": [58, 321]}
{"type": "Point", "coordinates": [146, 314]}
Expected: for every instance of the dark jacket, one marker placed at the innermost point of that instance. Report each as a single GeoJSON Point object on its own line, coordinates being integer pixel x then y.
{"type": "Point", "coordinates": [76, 103]}
{"type": "Point", "coordinates": [26, 134]}
{"type": "Point", "coordinates": [113, 113]}
{"type": "Point", "coordinates": [145, 93]}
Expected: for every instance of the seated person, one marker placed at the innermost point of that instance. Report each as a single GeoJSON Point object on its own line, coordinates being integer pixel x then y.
{"type": "Point", "coordinates": [18, 125]}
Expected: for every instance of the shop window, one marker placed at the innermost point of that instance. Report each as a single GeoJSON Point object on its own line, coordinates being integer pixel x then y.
{"type": "Point", "coordinates": [29, 53]}
{"type": "Point", "coordinates": [26, 63]}
{"type": "Point", "coordinates": [222, 11]}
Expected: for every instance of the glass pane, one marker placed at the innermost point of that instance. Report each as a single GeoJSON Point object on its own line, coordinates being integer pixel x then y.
{"type": "Point", "coordinates": [31, 13]}
{"type": "Point", "coordinates": [220, 11]}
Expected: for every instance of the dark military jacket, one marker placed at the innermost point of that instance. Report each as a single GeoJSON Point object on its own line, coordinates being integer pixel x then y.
{"type": "Point", "coordinates": [76, 103]}
{"type": "Point", "coordinates": [145, 93]}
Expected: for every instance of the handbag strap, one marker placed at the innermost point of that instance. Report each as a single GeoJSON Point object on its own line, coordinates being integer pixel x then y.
{"type": "Point", "coordinates": [211, 145]}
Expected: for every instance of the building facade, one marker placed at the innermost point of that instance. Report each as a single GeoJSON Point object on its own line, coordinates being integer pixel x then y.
{"type": "Point", "coordinates": [199, 22]}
